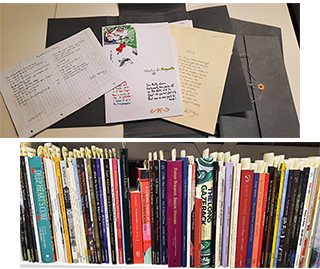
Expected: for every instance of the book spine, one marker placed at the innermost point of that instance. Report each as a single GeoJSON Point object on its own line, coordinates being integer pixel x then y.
{"type": "Point", "coordinates": [219, 225]}
{"type": "Point", "coordinates": [156, 210]}
{"type": "Point", "coordinates": [283, 199]}
{"type": "Point", "coordinates": [32, 211]}
{"type": "Point", "coordinates": [81, 166]}
{"type": "Point", "coordinates": [275, 231]}
{"type": "Point", "coordinates": [227, 213]}
{"type": "Point", "coordinates": [266, 218]}
{"type": "Point", "coordinates": [121, 212]}
{"type": "Point", "coordinates": [312, 205]}
{"type": "Point", "coordinates": [105, 209]}
{"type": "Point", "coordinates": [214, 211]}
{"type": "Point", "coordinates": [67, 201]}
{"type": "Point", "coordinates": [163, 212]}
{"type": "Point", "coordinates": [23, 229]}
{"type": "Point", "coordinates": [145, 200]}
{"type": "Point", "coordinates": [252, 219]}
{"type": "Point", "coordinates": [118, 210]}
{"type": "Point", "coordinates": [205, 183]}
{"type": "Point", "coordinates": [111, 216]}
{"type": "Point", "coordinates": [257, 226]}
{"type": "Point", "coordinates": [190, 208]}
{"type": "Point", "coordinates": [174, 209]}
{"type": "Point", "coordinates": [103, 219]}
{"type": "Point", "coordinates": [126, 204]}
{"type": "Point", "coordinates": [244, 217]}
{"type": "Point", "coordinates": [193, 189]}
{"type": "Point", "coordinates": [184, 210]}
{"type": "Point", "coordinates": [78, 199]}
{"type": "Point", "coordinates": [41, 209]}
{"type": "Point", "coordinates": [304, 217]}
{"type": "Point", "coordinates": [197, 231]}
{"type": "Point", "coordinates": [137, 242]}
{"type": "Point", "coordinates": [305, 175]}
{"type": "Point", "coordinates": [264, 205]}
{"type": "Point", "coordinates": [114, 209]}
{"type": "Point", "coordinates": [284, 227]}
{"type": "Point", "coordinates": [63, 210]}
{"type": "Point", "coordinates": [269, 216]}
{"type": "Point", "coordinates": [153, 232]}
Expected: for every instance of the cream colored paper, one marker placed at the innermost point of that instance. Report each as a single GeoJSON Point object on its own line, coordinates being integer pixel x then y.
{"type": "Point", "coordinates": [204, 58]}
{"type": "Point", "coordinates": [49, 86]}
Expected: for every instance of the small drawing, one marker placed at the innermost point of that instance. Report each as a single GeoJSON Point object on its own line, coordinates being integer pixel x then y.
{"type": "Point", "coordinates": [159, 110]}
{"type": "Point", "coordinates": [124, 35]}
{"type": "Point", "coordinates": [125, 61]}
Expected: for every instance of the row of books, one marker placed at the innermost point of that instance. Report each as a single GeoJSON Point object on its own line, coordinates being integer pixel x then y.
{"type": "Point", "coordinates": [77, 207]}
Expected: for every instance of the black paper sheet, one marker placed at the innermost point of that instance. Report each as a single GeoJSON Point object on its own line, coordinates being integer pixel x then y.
{"type": "Point", "coordinates": [235, 98]}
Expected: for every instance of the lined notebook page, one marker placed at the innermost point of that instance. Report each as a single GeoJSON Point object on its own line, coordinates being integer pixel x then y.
{"type": "Point", "coordinates": [49, 86]}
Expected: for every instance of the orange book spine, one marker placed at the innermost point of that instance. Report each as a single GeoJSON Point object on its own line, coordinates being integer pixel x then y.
{"type": "Point", "coordinates": [63, 210]}
{"type": "Point", "coordinates": [136, 220]}
{"type": "Point", "coordinates": [197, 231]}
{"type": "Point", "coordinates": [118, 212]}
{"type": "Point", "coordinates": [257, 225]}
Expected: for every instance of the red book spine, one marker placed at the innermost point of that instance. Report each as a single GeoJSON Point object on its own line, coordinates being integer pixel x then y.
{"type": "Point", "coordinates": [174, 217]}
{"type": "Point", "coordinates": [137, 245]}
{"type": "Point", "coordinates": [246, 184]}
{"type": "Point", "coordinates": [197, 231]}
{"type": "Point", "coordinates": [264, 205]}
{"type": "Point", "coordinates": [118, 212]}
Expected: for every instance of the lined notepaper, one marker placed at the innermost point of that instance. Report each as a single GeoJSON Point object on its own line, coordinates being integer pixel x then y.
{"type": "Point", "coordinates": [51, 85]}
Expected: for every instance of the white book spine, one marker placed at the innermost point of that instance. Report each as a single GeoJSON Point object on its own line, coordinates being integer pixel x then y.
{"type": "Point", "coordinates": [103, 177]}
{"type": "Point", "coordinates": [304, 218]}
{"type": "Point", "coordinates": [189, 212]}
{"type": "Point", "coordinates": [114, 210]}
{"type": "Point", "coordinates": [219, 225]}
{"type": "Point", "coordinates": [33, 208]}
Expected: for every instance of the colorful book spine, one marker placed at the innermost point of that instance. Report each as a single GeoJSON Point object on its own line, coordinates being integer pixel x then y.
{"type": "Point", "coordinates": [283, 200]}
{"type": "Point", "coordinates": [126, 204]}
{"type": "Point", "coordinates": [111, 216]}
{"type": "Point", "coordinates": [252, 219]}
{"type": "Point", "coordinates": [219, 225]}
{"type": "Point", "coordinates": [41, 210]}
{"type": "Point", "coordinates": [214, 211]}
{"type": "Point", "coordinates": [197, 231]}
{"type": "Point", "coordinates": [146, 221]}
{"type": "Point", "coordinates": [258, 218]}
{"type": "Point", "coordinates": [137, 241]}
{"type": "Point", "coordinates": [174, 210]}
{"type": "Point", "coordinates": [227, 212]}
{"type": "Point", "coordinates": [118, 210]}
{"type": "Point", "coordinates": [277, 216]}
{"type": "Point", "coordinates": [152, 213]}
{"type": "Point", "coordinates": [244, 216]}
{"type": "Point", "coordinates": [156, 210]}
{"type": "Point", "coordinates": [193, 193]}
{"type": "Point", "coordinates": [205, 183]}
{"type": "Point", "coordinates": [63, 209]}
{"type": "Point", "coordinates": [121, 212]}
{"type": "Point", "coordinates": [190, 208]}
{"type": "Point", "coordinates": [184, 210]}
{"type": "Point", "coordinates": [163, 212]}
{"type": "Point", "coordinates": [103, 213]}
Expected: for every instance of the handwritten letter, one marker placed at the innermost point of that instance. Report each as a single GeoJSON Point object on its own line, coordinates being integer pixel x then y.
{"type": "Point", "coordinates": [49, 86]}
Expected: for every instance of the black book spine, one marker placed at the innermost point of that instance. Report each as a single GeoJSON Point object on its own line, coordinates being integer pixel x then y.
{"type": "Point", "coordinates": [284, 228]}
{"type": "Point", "coordinates": [156, 205]}
{"type": "Point", "coordinates": [192, 239]}
{"type": "Point", "coordinates": [151, 179]}
{"type": "Point", "coordinates": [98, 208]}
{"type": "Point", "coordinates": [110, 212]}
{"type": "Point", "coordinates": [26, 202]}
{"type": "Point", "coordinates": [23, 234]}
{"type": "Point", "coordinates": [298, 223]}
{"type": "Point", "coordinates": [296, 178]}
{"type": "Point", "coordinates": [266, 219]}
{"type": "Point", "coordinates": [126, 204]}
{"type": "Point", "coordinates": [214, 213]}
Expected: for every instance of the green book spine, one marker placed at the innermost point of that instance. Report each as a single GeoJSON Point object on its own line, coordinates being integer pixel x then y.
{"type": "Point", "coordinates": [126, 204]}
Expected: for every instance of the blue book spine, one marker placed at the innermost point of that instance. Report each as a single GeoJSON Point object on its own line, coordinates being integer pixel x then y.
{"type": "Point", "coordinates": [283, 200]}
{"type": "Point", "coordinates": [121, 210]}
{"type": "Point", "coordinates": [42, 209]}
{"type": "Point", "coordinates": [252, 218]}
{"type": "Point", "coordinates": [163, 212]}
{"type": "Point", "coordinates": [104, 229]}
{"type": "Point", "coordinates": [184, 210]}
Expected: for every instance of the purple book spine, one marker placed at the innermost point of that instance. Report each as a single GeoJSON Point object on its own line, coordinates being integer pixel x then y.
{"type": "Point", "coordinates": [174, 210]}
{"type": "Point", "coordinates": [226, 215]}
